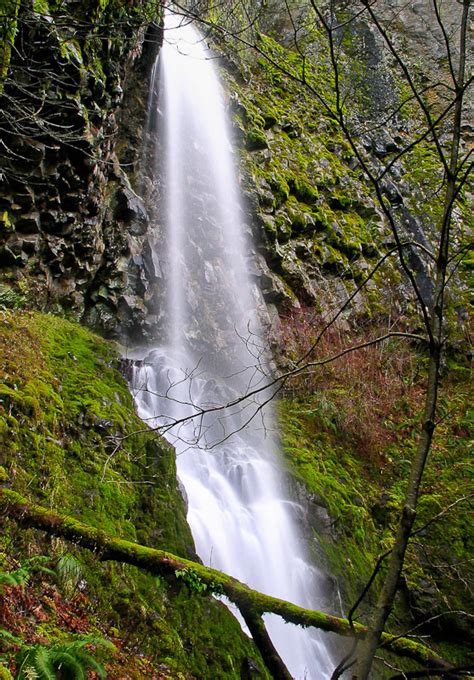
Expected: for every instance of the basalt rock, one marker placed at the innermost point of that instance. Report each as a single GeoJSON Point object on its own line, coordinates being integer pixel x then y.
{"type": "Point", "coordinates": [71, 227]}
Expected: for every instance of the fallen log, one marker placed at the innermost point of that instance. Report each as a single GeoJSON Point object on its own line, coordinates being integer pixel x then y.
{"type": "Point", "coordinates": [251, 603]}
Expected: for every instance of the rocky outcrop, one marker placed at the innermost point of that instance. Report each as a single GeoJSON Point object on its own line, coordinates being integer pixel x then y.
{"type": "Point", "coordinates": [75, 219]}
{"type": "Point", "coordinates": [69, 220]}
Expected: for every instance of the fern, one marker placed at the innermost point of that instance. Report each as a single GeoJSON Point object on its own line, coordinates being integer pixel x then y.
{"type": "Point", "coordinates": [21, 576]}
{"type": "Point", "coordinates": [7, 638]}
{"type": "Point", "coordinates": [32, 661]}
{"type": "Point", "coordinates": [71, 659]}
{"type": "Point", "coordinates": [68, 573]}
{"type": "Point", "coordinates": [70, 666]}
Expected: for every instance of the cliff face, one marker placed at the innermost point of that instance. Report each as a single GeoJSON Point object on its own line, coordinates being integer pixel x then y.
{"type": "Point", "coordinates": [75, 240]}
{"type": "Point", "coordinates": [74, 228]}
{"type": "Point", "coordinates": [316, 218]}
{"type": "Point", "coordinates": [67, 208]}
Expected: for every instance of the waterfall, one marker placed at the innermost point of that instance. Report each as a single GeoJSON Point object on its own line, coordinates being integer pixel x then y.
{"type": "Point", "coordinates": [212, 350]}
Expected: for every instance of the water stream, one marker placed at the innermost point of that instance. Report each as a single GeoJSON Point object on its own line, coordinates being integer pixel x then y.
{"type": "Point", "coordinates": [211, 350]}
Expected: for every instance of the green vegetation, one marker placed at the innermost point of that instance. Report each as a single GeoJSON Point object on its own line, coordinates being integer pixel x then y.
{"type": "Point", "coordinates": [353, 457]}
{"type": "Point", "coordinates": [8, 28]}
{"type": "Point", "coordinates": [301, 167]}
{"type": "Point", "coordinates": [70, 438]}
{"type": "Point", "coordinates": [72, 659]}
{"type": "Point", "coordinates": [251, 603]}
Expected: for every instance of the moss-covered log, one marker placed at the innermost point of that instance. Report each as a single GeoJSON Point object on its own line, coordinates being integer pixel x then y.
{"type": "Point", "coordinates": [251, 603]}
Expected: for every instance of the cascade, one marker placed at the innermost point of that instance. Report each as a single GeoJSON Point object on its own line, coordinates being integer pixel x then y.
{"type": "Point", "coordinates": [211, 351]}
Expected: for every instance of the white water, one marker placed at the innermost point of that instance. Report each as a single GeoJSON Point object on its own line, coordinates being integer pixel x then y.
{"type": "Point", "coordinates": [241, 518]}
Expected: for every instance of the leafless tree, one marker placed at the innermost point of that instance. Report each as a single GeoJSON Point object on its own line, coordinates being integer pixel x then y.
{"type": "Point", "coordinates": [438, 125]}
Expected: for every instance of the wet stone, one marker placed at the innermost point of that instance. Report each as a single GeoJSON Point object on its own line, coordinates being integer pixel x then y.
{"type": "Point", "coordinates": [71, 201]}
{"type": "Point", "coordinates": [30, 245]}
{"type": "Point", "coordinates": [8, 257]}
{"type": "Point", "coordinates": [28, 224]}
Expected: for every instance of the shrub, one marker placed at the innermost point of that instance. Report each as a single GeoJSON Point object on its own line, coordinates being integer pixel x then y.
{"type": "Point", "coordinates": [357, 395]}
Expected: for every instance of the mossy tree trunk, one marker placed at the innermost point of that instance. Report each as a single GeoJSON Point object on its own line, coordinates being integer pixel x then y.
{"type": "Point", "coordinates": [251, 603]}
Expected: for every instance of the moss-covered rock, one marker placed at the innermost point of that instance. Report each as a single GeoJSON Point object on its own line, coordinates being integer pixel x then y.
{"type": "Point", "coordinates": [69, 437]}
{"type": "Point", "coordinates": [256, 139]}
{"type": "Point", "coordinates": [331, 457]}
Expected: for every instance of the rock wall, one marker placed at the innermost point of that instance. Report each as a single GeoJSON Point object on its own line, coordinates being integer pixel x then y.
{"type": "Point", "coordinates": [74, 227]}
{"type": "Point", "coordinates": [67, 212]}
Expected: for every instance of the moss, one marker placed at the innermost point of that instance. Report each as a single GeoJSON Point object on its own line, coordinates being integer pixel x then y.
{"type": "Point", "coordinates": [309, 172]}
{"type": "Point", "coordinates": [70, 438]}
{"type": "Point", "coordinates": [8, 30]}
{"type": "Point", "coordinates": [251, 603]}
{"type": "Point", "coordinates": [279, 186]}
{"type": "Point", "coordinates": [364, 505]}
{"type": "Point", "coordinates": [71, 50]}
{"type": "Point", "coordinates": [302, 190]}
{"type": "Point", "coordinates": [256, 139]}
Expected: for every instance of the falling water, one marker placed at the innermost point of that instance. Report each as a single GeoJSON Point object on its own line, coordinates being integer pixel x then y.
{"type": "Point", "coordinates": [242, 521]}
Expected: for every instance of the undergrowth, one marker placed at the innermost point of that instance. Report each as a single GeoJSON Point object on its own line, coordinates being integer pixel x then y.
{"type": "Point", "coordinates": [359, 392]}
{"type": "Point", "coordinates": [349, 431]}
{"type": "Point", "coordinates": [70, 439]}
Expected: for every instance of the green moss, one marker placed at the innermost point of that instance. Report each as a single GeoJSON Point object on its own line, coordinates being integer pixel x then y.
{"type": "Point", "coordinates": [8, 29]}
{"type": "Point", "coordinates": [71, 50]}
{"type": "Point", "coordinates": [308, 170]}
{"type": "Point", "coordinates": [279, 186]}
{"type": "Point", "coordinates": [41, 7]}
{"type": "Point", "coordinates": [364, 505]}
{"type": "Point", "coordinates": [302, 190]}
{"type": "Point", "coordinates": [256, 139]}
{"type": "Point", "coordinates": [70, 438]}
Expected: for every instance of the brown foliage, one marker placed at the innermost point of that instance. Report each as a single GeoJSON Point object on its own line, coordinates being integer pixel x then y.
{"type": "Point", "coordinates": [361, 395]}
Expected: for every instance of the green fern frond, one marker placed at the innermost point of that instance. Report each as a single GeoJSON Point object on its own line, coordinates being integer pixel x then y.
{"type": "Point", "coordinates": [85, 640]}
{"type": "Point", "coordinates": [7, 638]}
{"type": "Point", "coordinates": [43, 663]}
{"type": "Point", "coordinates": [69, 665]}
{"type": "Point", "coordinates": [70, 658]}
{"type": "Point", "coordinates": [18, 577]}
{"type": "Point", "coordinates": [39, 563]}
{"type": "Point", "coordinates": [37, 659]}
{"type": "Point", "coordinates": [21, 576]}
{"type": "Point", "coordinates": [68, 573]}
{"type": "Point", "coordinates": [92, 664]}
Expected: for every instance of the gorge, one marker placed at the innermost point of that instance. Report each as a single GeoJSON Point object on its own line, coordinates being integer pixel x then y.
{"type": "Point", "coordinates": [122, 226]}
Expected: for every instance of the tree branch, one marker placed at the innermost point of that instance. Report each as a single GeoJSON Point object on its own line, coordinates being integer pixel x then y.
{"type": "Point", "coordinates": [251, 603]}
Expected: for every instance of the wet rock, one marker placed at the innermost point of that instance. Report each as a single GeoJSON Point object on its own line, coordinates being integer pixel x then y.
{"type": "Point", "coordinates": [392, 192]}
{"type": "Point", "coordinates": [8, 257]}
{"type": "Point", "coordinates": [72, 201]}
{"type": "Point", "coordinates": [28, 224]}
{"type": "Point", "coordinates": [25, 200]}
{"type": "Point", "coordinates": [131, 209]}
{"type": "Point", "coordinates": [30, 245]}
{"type": "Point", "coordinates": [249, 670]}
{"type": "Point", "coordinates": [256, 139]}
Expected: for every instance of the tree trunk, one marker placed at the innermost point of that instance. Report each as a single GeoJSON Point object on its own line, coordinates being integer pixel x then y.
{"type": "Point", "coordinates": [408, 515]}
{"type": "Point", "coordinates": [251, 603]}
